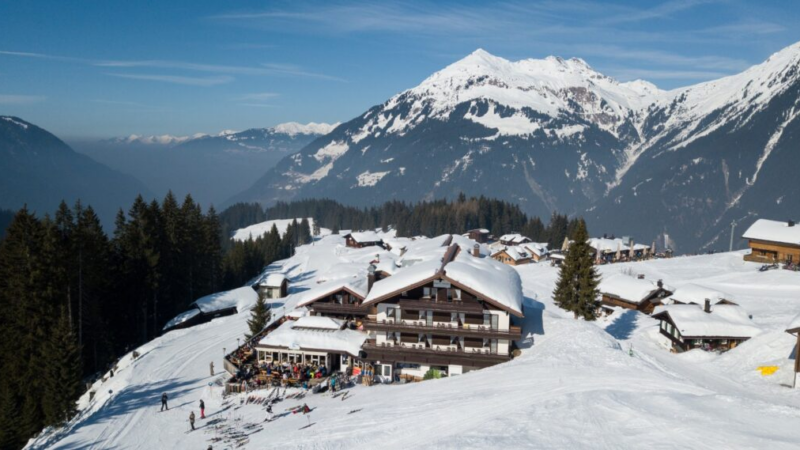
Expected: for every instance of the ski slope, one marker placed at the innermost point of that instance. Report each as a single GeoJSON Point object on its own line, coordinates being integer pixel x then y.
{"type": "Point", "coordinates": [254, 232]}
{"type": "Point", "coordinates": [575, 385]}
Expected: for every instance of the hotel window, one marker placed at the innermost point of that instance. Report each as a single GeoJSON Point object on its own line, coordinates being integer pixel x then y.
{"type": "Point", "coordinates": [426, 292]}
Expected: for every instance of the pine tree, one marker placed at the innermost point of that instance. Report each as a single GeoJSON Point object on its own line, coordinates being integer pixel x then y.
{"type": "Point", "coordinates": [62, 377]}
{"type": "Point", "coordinates": [576, 288]}
{"type": "Point", "coordinates": [260, 316]}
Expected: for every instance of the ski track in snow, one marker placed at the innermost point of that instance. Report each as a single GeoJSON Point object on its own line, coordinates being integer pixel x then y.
{"type": "Point", "coordinates": [576, 387]}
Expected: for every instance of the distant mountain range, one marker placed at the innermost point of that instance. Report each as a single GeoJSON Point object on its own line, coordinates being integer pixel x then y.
{"type": "Point", "coordinates": [211, 168]}
{"type": "Point", "coordinates": [40, 170]}
{"type": "Point", "coordinates": [556, 135]}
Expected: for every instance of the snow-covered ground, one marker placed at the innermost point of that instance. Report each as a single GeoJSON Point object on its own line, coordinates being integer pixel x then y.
{"type": "Point", "coordinates": [260, 229]}
{"type": "Point", "coordinates": [575, 386]}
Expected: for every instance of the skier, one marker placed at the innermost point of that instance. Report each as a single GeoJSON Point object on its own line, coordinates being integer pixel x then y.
{"type": "Point", "coordinates": [191, 419]}
{"type": "Point", "coordinates": [211, 366]}
{"type": "Point", "coordinates": [268, 418]}
{"type": "Point", "coordinates": [306, 409]}
{"type": "Point", "coordinates": [164, 402]}
{"type": "Point", "coordinates": [333, 384]}
{"type": "Point", "coordinates": [202, 409]}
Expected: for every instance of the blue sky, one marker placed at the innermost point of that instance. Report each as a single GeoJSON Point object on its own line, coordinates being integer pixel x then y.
{"type": "Point", "coordinates": [101, 69]}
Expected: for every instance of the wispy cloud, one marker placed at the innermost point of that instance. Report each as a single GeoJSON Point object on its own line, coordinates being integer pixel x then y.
{"type": "Point", "coordinates": [266, 69]}
{"type": "Point", "coordinates": [186, 81]}
{"type": "Point", "coordinates": [14, 99]}
{"type": "Point", "coordinates": [259, 96]}
{"type": "Point", "coordinates": [258, 105]}
{"type": "Point", "coordinates": [719, 63]}
{"type": "Point", "coordinates": [660, 11]}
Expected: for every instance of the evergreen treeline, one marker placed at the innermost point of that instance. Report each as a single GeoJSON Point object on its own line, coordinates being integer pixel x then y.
{"type": "Point", "coordinates": [245, 259]}
{"type": "Point", "coordinates": [72, 299]}
{"type": "Point", "coordinates": [424, 218]}
{"type": "Point", "coordinates": [5, 220]}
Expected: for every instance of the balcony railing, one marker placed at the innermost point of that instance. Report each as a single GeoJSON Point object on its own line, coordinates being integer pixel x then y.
{"type": "Point", "coordinates": [336, 308]}
{"type": "Point", "coordinates": [434, 305]}
{"type": "Point", "coordinates": [422, 350]}
{"type": "Point", "coordinates": [444, 328]}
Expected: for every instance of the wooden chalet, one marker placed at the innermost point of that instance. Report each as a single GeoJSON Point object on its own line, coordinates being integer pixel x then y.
{"type": "Point", "coordinates": [313, 340]}
{"type": "Point", "coordinates": [340, 299]}
{"type": "Point", "coordinates": [275, 285]}
{"type": "Point", "coordinates": [718, 328]}
{"type": "Point", "coordinates": [772, 241]}
{"type": "Point", "coordinates": [537, 250]}
{"type": "Point", "coordinates": [208, 308]}
{"type": "Point", "coordinates": [632, 293]}
{"type": "Point", "coordinates": [479, 235]}
{"type": "Point", "coordinates": [514, 239]}
{"type": "Point", "coordinates": [361, 239]}
{"type": "Point", "coordinates": [452, 315]}
{"type": "Point", "coordinates": [513, 256]}
{"type": "Point", "coordinates": [794, 329]}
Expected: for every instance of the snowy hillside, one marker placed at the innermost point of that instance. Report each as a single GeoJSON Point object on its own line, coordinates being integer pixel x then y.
{"type": "Point", "coordinates": [574, 386]}
{"type": "Point", "coordinates": [565, 137]}
{"type": "Point", "coordinates": [255, 231]}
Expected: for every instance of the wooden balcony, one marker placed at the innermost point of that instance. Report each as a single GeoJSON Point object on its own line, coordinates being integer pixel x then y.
{"type": "Point", "coordinates": [439, 328]}
{"type": "Point", "coordinates": [421, 354]}
{"type": "Point", "coordinates": [336, 308]}
{"type": "Point", "coordinates": [447, 306]}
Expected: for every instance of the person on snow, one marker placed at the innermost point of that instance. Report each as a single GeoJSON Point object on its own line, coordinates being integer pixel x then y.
{"type": "Point", "coordinates": [202, 409]}
{"type": "Point", "coordinates": [191, 419]}
{"type": "Point", "coordinates": [164, 402]}
{"type": "Point", "coordinates": [333, 384]}
{"type": "Point", "coordinates": [211, 366]}
{"type": "Point", "coordinates": [306, 409]}
{"type": "Point", "coordinates": [268, 418]}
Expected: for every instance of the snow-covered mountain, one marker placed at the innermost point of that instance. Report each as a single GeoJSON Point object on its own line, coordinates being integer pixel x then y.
{"type": "Point", "coordinates": [209, 167]}
{"type": "Point", "coordinates": [555, 134]}
{"type": "Point", "coordinates": [39, 170]}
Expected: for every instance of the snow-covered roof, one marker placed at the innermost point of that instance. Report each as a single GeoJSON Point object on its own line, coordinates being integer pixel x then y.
{"type": "Point", "coordinates": [273, 280]}
{"type": "Point", "coordinates": [537, 248]}
{"type": "Point", "coordinates": [467, 245]}
{"type": "Point", "coordinates": [406, 277]}
{"type": "Point", "coordinates": [693, 293]}
{"type": "Point", "coordinates": [605, 245]}
{"type": "Point", "coordinates": [773, 231]}
{"type": "Point", "coordinates": [514, 238]}
{"type": "Point", "coordinates": [626, 287]}
{"type": "Point", "coordinates": [356, 285]}
{"type": "Point", "coordinates": [495, 282]}
{"type": "Point", "coordinates": [557, 256]}
{"type": "Point", "coordinates": [426, 250]}
{"type": "Point", "coordinates": [318, 323]}
{"type": "Point", "coordinates": [239, 298]}
{"type": "Point", "coordinates": [181, 318]}
{"type": "Point", "coordinates": [794, 325]}
{"type": "Point", "coordinates": [294, 335]}
{"type": "Point", "coordinates": [516, 253]}
{"type": "Point", "coordinates": [297, 313]}
{"type": "Point", "coordinates": [365, 236]}
{"type": "Point", "coordinates": [723, 321]}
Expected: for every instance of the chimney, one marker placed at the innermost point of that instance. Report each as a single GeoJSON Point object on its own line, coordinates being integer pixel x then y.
{"type": "Point", "coordinates": [476, 251]}
{"type": "Point", "coordinates": [791, 223]}
{"type": "Point", "coordinates": [707, 307]}
{"type": "Point", "coordinates": [370, 277]}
